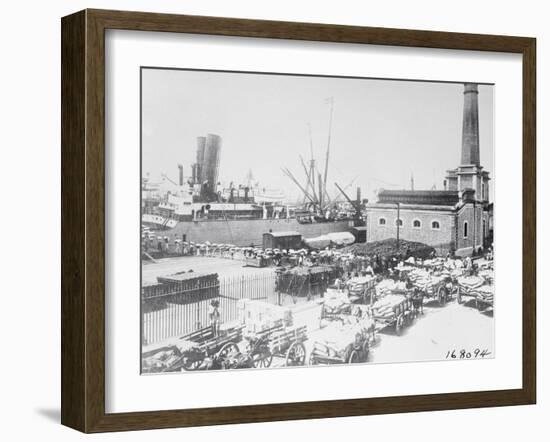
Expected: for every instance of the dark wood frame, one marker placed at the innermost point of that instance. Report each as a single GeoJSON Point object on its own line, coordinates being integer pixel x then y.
{"type": "Point", "coordinates": [83, 217]}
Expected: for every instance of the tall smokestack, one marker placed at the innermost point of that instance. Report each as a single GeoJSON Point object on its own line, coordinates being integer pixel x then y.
{"type": "Point", "coordinates": [201, 142]}
{"type": "Point", "coordinates": [180, 167]}
{"type": "Point", "coordinates": [470, 126]}
{"type": "Point", "coordinates": [211, 162]}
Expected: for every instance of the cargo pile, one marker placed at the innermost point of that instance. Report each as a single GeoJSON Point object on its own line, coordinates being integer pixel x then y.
{"type": "Point", "coordinates": [160, 361]}
{"type": "Point", "coordinates": [336, 302]}
{"type": "Point", "coordinates": [166, 357]}
{"type": "Point", "coordinates": [385, 308]}
{"type": "Point", "coordinates": [426, 281]}
{"type": "Point", "coordinates": [385, 287]}
{"type": "Point", "coordinates": [359, 285]}
{"type": "Point", "coordinates": [487, 275]}
{"type": "Point", "coordinates": [337, 340]}
{"type": "Point", "coordinates": [485, 294]}
{"type": "Point", "coordinates": [389, 247]}
{"type": "Point", "coordinates": [470, 283]}
{"type": "Point", "coordinates": [258, 316]}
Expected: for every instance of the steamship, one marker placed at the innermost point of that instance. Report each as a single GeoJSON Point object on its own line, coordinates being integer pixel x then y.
{"type": "Point", "coordinates": [200, 209]}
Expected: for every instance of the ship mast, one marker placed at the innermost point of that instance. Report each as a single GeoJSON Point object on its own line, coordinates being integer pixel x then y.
{"type": "Point", "coordinates": [329, 100]}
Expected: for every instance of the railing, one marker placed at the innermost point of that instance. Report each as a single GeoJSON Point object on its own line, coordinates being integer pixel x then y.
{"type": "Point", "coordinates": [170, 310]}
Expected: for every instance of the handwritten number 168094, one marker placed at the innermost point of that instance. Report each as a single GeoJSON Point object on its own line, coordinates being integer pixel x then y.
{"type": "Point", "coordinates": [465, 354]}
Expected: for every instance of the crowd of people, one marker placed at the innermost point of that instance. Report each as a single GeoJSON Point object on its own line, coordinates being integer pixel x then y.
{"type": "Point", "coordinates": [349, 262]}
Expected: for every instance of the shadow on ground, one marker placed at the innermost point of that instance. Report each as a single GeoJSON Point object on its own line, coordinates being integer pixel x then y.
{"type": "Point", "coordinates": [51, 414]}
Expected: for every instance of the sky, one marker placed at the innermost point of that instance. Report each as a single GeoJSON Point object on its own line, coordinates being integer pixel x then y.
{"type": "Point", "coordinates": [383, 131]}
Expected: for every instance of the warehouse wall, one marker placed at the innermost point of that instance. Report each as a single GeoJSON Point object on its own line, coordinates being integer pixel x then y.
{"type": "Point", "coordinates": [441, 237]}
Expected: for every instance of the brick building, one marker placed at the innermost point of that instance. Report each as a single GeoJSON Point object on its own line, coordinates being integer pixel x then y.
{"type": "Point", "coordinates": [457, 219]}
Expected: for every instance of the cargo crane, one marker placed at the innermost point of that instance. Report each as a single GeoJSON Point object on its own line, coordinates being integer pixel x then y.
{"type": "Point", "coordinates": [356, 204]}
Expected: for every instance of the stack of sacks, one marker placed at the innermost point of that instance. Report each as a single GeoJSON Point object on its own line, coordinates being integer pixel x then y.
{"type": "Point", "coordinates": [160, 360]}
{"type": "Point", "coordinates": [405, 268]}
{"type": "Point", "coordinates": [470, 283]}
{"type": "Point", "coordinates": [418, 274]}
{"type": "Point", "coordinates": [435, 262]}
{"type": "Point", "coordinates": [487, 275]}
{"type": "Point", "coordinates": [365, 323]}
{"type": "Point", "coordinates": [167, 356]}
{"type": "Point", "coordinates": [457, 273]}
{"type": "Point", "coordinates": [336, 301]}
{"type": "Point", "coordinates": [385, 308]}
{"type": "Point", "coordinates": [485, 293]}
{"type": "Point", "coordinates": [336, 338]}
{"type": "Point", "coordinates": [426, 282]}
{"type": "Point", "coordinates": [358, 285]}
{"type": "Point", "coordinates": [400, 286]}
{"type": "Point", "coordinates": [384, 288]}
{"type": "Point", "coordinates": [305, 313]}
{"type": "Point", "coordinates": [257, 316]}
{"type": "Point", "coordinates": [453, 264]}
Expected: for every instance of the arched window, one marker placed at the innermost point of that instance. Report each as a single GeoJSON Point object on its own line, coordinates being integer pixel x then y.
{"type": "Point", "coordinates": [436, 225]}
{"type": "Point", "coordinates": [381, 221]}
{"type": "Point", "coordinates": [465, 229]}
{"type": "Point", "coordinates": [399, 222]}
{"type": "Point", "coordinates": [417, 224]}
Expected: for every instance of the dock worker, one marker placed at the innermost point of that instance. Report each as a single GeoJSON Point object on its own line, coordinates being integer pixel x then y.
{"type": "Point", "coordinates": [214, 317]}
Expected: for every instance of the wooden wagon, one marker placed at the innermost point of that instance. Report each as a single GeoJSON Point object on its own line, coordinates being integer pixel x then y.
{"type": "Point", "coordinates": [276, 342]}
{"type": "Point", "coordinates": [467, 289]}
{"type": "Point", "coordinates": [433, 287]}
{"type": "Point", "coordinates": [395, 310]}
{"type": "Point", "coordinates": [354, 349]}
{"type": "Point", "coordinates": [199, 350]}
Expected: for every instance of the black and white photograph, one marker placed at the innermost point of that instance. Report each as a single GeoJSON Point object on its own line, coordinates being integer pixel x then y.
{"type": "Point", "coordinates": [299, 221]}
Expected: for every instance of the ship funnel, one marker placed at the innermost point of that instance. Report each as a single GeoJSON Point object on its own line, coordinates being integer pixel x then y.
{"type": "Point", "coordinates": [211, 162]}
{"type": "Point", "coordinates": [197, 167]}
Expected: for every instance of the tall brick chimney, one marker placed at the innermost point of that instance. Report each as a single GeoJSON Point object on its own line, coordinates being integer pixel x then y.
{"type": "Point", "coordinates": [470, 126]}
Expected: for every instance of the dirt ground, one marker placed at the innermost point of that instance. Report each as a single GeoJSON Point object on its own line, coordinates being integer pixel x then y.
{"type": "Point", "coordinates": [441, 329]}
{"type": "Point", "coordinates": [438, 331]}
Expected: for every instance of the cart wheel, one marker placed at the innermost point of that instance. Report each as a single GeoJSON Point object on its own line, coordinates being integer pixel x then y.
{"type": "Point", "coordinates": [312, 359]}
{"type": "Point", "coordinates": [366, 349]}
{"type": "Point", "coordinates": [399, 325]}
{"type": "Point", "coordinates": [354, 357]}
{"type": "Point", "coordinates": [296, 354]}
{"type": "Point", "coordinates": [267, 359]}
{"type": "Point", "coordinates": [192, 365]}
{"type": "Point", "coordinates": [262, 360]}
{"type": "Point", "coordinates": [227, 349]}
{"type": "Point", "coordinates": [442, 296]}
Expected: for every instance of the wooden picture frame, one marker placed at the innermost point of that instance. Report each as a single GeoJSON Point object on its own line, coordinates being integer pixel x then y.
{"type": "Point", "coordinates": [83, 219]}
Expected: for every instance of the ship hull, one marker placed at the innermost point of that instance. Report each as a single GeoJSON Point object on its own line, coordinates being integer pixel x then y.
{"type": "Point", "coordinates": [247, 232]}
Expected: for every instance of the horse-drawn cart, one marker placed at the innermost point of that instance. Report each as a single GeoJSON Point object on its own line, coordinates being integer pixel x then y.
{"type": "Point", "coordinates": [467, 288]}
{"type": "Point", "coordinates": [277, 342]}
{"type": "Point", "coordinates": [199, 350]}
{"type": "Point", "coordinates": [342, 344]}
{"type": "Point", "coordinates": [394, 310]}
{"type": "Point", "coordinates": [432, 286]}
